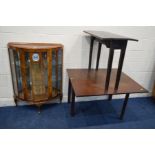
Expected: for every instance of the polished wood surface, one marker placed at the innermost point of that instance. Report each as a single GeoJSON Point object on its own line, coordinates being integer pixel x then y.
{"type": "Point", "coordinates": [33, 45]}
{"type": "Point", "coordinates": [107, 35]}
{"type": "Point", "coordinates": [91, 83]}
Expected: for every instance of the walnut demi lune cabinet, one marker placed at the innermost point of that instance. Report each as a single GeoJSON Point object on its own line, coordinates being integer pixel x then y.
{"type": "Point", "coordinates": [36, 71]}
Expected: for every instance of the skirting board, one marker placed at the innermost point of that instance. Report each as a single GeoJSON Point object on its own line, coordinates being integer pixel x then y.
{"type": "Point", "coordinates": [10, 102]}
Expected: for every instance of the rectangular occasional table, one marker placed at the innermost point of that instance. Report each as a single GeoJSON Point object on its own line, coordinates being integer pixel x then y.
{"type": "Point", "coordinates": [97, 82]}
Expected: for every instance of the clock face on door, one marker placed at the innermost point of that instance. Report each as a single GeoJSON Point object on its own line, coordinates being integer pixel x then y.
{"type": "Point", "coordinates": [35, 57]}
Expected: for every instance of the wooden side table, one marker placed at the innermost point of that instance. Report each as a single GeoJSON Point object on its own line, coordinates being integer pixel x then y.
{"type": "Point", "coordinates": [96, 82]}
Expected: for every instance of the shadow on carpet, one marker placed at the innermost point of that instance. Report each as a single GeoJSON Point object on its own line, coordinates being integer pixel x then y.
{"type": "Point", "coordinates": [140, 113]}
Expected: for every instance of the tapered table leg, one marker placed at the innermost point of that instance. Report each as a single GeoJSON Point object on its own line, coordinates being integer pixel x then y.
{"type": "Point", "coordinates": [124, 106]}
{"type": "Point", "coordinates": [110, 97]}
{"type": "Point", "coordinates": [91, 51]}
{"type": "Point", "coordinates": [15, 100]}
{"type": "Point", "coordinates": [73, 104]}
{"type": "Point", "coordinates": [120, 65]}
{"type": "Point", "coordinates": [110, 60]}
{"type": "Point", "coordinates": [98, 55]}
{"type": "Point", "coordinates": [69, 91]}
{"type": "Point", "coordinates": [61, 96]}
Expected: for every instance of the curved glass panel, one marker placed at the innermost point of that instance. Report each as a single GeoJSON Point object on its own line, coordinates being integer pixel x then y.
{"type": "Point", "coordinates": [13, 71]}
{"type": "Point", "coordinates": [18, 73]}
{"type": "Point", "coordinates": [59, 69]}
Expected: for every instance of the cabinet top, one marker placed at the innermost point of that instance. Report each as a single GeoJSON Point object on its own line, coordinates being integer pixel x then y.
{"type": "Point", "coordinates": [34, 45]}
{"type": "Point", "coordinates": [102, 35]}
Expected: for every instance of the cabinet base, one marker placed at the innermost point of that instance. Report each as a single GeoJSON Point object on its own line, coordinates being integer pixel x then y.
{"type": "Point", "coordinates": [38, 104]}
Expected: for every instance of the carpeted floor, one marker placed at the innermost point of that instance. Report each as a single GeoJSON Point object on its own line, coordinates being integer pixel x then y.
{"type": "Point", "coordinates": [140, 113]}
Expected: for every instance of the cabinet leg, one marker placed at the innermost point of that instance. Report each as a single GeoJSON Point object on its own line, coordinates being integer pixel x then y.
{"type": "Point", "coordinates": [124, 106]}
{"type": "Point", "coordinates": [39, 109]}
{"type": "Point", "coordinates": [72, 112]}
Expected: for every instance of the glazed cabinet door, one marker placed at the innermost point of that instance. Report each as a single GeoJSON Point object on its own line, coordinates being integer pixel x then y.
{"type": "Point", "coordinates": [38, 75]}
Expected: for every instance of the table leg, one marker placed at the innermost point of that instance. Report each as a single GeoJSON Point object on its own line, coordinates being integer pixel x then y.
{"type": "Point", "coordinates": [110, 97]}
{"type": "Point", "coordinates": [98, 55]}
{"type": "Point", "coordinates": [61, 96]}
{"type": "Point", "coordinates": [69, 91]}
{"type": "Point", "coordinates": [124, 106]}
{"type": "Point", "coordinates": [91, 51]}
{"type": "Point", "coordinates": [120, 65]}
{"type": "Point", "coordinates": [111, 55]}
{"type": "Point", "coordinates": [15, 100]}
{"type": "Point", "coordinates": [73, 103]}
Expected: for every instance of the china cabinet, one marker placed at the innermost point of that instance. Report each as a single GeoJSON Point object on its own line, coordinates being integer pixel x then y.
{"type": "Point", "coordinates": [36, 71]}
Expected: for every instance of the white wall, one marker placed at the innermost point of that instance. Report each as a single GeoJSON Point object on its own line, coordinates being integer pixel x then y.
{"type": "Point", "coordinates": [139, 61]}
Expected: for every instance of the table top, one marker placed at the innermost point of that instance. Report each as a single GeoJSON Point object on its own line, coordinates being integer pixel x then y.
{"type": "Point", "coordinates": [102, 35]}
{"type": "Point", "coordinates": [25, 45]}
{"type": "Point", "coordinates": [91, 83]}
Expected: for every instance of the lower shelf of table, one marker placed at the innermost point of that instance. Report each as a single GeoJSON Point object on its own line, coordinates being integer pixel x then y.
{"type": "Point", "coordinates": [92, 83]}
